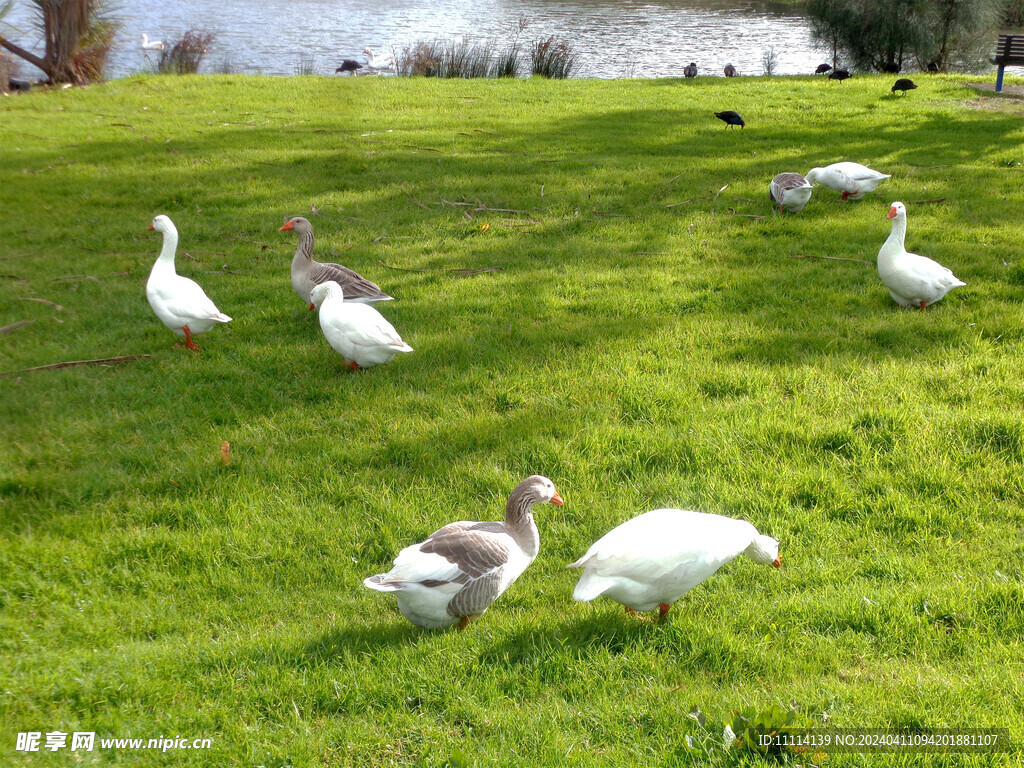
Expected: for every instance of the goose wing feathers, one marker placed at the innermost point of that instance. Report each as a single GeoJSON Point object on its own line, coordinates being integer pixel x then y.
{"type": "Point", "coordinates": [465, 560]}
{"type": "Point", "coordinates": [362, 326]}
{"type": "Point", "coordinates": [354, 285]}
{"type": "Point", "coordinates": [184, 298]}
{"type": "Point", "coordinates": [786, 181]}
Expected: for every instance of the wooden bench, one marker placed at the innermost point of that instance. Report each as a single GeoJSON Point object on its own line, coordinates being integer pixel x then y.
{"type": "Point", "coordinates": [1009, 53]}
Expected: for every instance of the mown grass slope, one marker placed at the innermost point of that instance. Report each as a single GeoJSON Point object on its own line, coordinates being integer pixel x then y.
{"type": "Point", "coordinates": [654, 334]}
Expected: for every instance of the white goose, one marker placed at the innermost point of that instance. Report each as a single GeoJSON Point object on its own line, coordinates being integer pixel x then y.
{"type": "Point", "coordinates": [852, 179]}
{"type": "Point", "coordinates": [656, 558]}
{"type": "Point", "coordinates": [912, 280]}
{"type": "Point", "coordinates": [179, 302]}
{"type": "Point", "coordinates": [383, 62]}
{"type": "Point", "coordinates": [357, 332]}
{"type": "Point", "coordinates": [461, 569]}
{"type": "Point", "coordinates": [791, 191]}
{"type": "Point", "coordinates": [151, 45]}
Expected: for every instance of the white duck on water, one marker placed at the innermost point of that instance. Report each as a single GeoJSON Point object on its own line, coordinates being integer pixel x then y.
{"type": "Point", "coordinates": [912, 280]}
{"type": "Point", "coordinates": [307, 272]}
{"type": "Point", "coordinates": [357, 332]}
{"type": "Point", "coordinates": [179, 302]}
{"type": "Point", "coordinates": [852, 179]}
{"type": "Point", "coordinates": [151, 45]}
{"type": "Point", "coordinates": [461, 569]}
{"type": "Point", "coordinates": [656, 558]}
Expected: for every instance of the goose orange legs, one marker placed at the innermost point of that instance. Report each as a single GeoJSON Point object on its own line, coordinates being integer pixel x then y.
{"type": "Point", "coordinates": [189, 344]}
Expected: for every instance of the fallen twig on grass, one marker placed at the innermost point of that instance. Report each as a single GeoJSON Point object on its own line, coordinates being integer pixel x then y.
{"type": "Point", "coordinates": [744, 199]}
{"type": "Point", "coordinates": [75, 277]}
{"type": "Point", "coordinates": [424, 149]}
{"type": "Point", "coordinates": [818, 256]}
{"type": "Point", "coordinates": [459, 272]}
{"type": "Point", "coordinates": [684, 202]}
{"type": "Point", "coordinates": [421, 205]}
{"type": "Point", "coordinates": [14, 277]}
{"type": "Point", "coordinates": [58, 307]}
{"type": "Point", "coordinates": [15, 326]}
{"type": "Point", "coordinates": [52, 366]}
{"type": "Point", "coordinates": [925, 202]}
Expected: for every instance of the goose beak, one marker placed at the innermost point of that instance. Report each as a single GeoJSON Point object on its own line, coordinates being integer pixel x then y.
{"type": "Point", "coordinates": [286, 228]}
{"type": "Point", "coordinates": [557, 500]}
{"type": "Point", "coordinates": [778, 562]}
{"type": "Point", "coordinates": [312, 306]}
{"type": "Point", "coordinates": [892, 213]}
{"type": "Point", "coordinates": [150, 228]}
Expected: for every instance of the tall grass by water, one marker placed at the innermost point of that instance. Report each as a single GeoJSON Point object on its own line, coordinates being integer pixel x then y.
{"type": "Point", "coordinates": [597, 289]}
{"type": "Point", "coordinates": [551, 58]}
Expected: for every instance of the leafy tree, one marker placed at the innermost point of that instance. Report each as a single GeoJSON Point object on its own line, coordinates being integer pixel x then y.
{"type": "Point", "coordinates": [956, 28]}
{"type": "Point", "coordinates": [885, 35]}
{"type": "Point", "coordinates": [78, 39]}
{"type": "Point", "coordinates": [831, 21]}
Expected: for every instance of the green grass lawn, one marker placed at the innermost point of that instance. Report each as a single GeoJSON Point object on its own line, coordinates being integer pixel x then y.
{"type": "Point", "coordinates": [648, 338]}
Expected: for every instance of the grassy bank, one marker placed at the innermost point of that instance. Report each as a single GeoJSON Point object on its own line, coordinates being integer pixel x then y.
{"type": "Point", "coordinates": [653, 335]}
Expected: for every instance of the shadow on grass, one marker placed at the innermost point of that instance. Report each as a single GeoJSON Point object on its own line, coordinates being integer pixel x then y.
{"type": "Point", "coordinates": [341, 643]}
{"type": "Point", "coordinates": [681, 640]}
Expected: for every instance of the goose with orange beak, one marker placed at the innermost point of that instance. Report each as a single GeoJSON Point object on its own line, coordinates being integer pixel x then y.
{"type": "Point", "coordinates": [307, 273]}
{"type": "Point", "coordinates": [458, 572]}
{"type": "Point", "coordinates": [912, 280]}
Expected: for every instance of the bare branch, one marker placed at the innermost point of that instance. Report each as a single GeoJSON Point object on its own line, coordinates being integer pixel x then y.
{"type": "Point", "coordinates": [54, 366]}
{"type": "Point", "coordinates": [15, 326]}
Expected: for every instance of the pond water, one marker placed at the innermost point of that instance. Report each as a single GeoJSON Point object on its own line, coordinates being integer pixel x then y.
{"type": "Point", "coordinates": [613, 38]}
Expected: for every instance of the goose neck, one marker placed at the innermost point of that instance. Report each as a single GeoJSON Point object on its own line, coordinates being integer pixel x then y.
{"type": "Point", "coordinates": [519, 521]}
{"type": "Point", "coordinates": [894, 245]}
{"type": "Point", "coordinates": [169, 248]}
{"type": "Point", "coordinates": [304, 253]}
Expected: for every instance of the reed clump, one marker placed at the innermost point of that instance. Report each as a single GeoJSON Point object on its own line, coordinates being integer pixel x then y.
{"type": "Point", "coordinates": [459, 59]}
{"type": "Point", "coordinates": [552, 58]}
{"type": "Point", "coordinates": [186, 55]}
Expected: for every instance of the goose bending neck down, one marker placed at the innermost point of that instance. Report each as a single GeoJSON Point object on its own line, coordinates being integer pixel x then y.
{"type": "Point", "coordinates": [657, 557]}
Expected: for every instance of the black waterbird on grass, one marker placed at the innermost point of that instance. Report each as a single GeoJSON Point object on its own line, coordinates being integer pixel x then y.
{"type": "Point", "coordinates": [690, 70]}
{"type": "Point", "coordinates": [348, 65]}
{"type": "Point", "coordinates": [731, 118]}
{"type": "Point", "coordinates": [904, 84]}
{"type": "Point", "coordinates": [730, 70]}
{"type": "Point", "coordinates": [839, 74]}
{"type": "Point", "coordinates": [822, 69]}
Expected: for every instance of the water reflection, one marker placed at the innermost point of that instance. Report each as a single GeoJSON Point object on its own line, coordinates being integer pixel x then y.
{"type": "Point", "coordinates": [614, 38]}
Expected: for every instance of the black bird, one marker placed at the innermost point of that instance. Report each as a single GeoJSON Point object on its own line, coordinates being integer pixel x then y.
{"type": "Point", "coordinates": [730, 70]}
{"type": "Point", "coordinates": [690, 70]}
{"type": "Point", "coordinates": [348, 65]}
{"type": "Point", "coordinates": [822, 69]}
{"type": "Point", "coordinates": [904, 84]}
{"type": "Point", "coordinates": [839, 74]}
{"type": "Point", "coordinates": [891, 67]}
{"type": "Point", "coordinates": [731, 118]}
